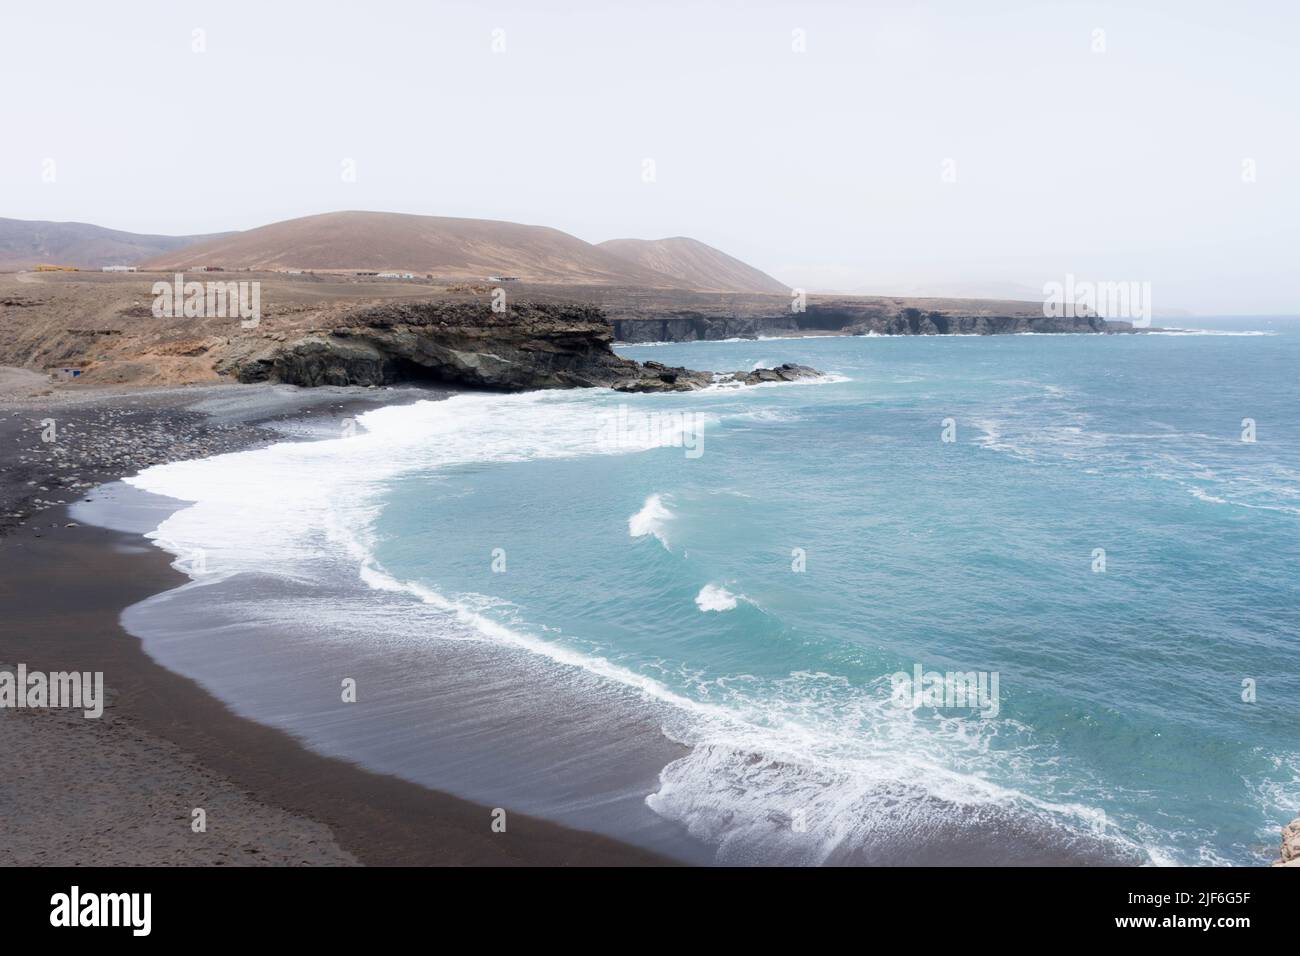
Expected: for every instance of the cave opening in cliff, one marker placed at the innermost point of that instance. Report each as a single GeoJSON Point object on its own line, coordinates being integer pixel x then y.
{"type": "Point", "coordinates": [406, 372]}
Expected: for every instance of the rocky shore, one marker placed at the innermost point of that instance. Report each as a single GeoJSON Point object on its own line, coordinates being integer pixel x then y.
{"type": "Point", "coordinates": [343, 329]}
{"type": "Point", "coordinates": [61, 443]}
{"type": "Point", "coordinates": [55, 453]}
{"type": "Point", "coordinates": [529, 346]}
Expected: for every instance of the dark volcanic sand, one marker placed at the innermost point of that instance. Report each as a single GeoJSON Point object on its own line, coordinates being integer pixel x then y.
{"type": "Point", "coordinates": [120, 790]}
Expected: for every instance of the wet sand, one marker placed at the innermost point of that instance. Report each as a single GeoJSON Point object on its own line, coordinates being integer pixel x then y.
{"type": "Point", "coordinates": [123, 790]}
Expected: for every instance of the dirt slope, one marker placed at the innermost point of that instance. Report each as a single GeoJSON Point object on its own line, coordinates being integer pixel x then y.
{"type": "Point", "coordinates": [438, 245]}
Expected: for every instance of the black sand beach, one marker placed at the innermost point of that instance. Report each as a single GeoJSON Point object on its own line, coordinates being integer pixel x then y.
{"type": "Point", "coordinates": [121, 790]}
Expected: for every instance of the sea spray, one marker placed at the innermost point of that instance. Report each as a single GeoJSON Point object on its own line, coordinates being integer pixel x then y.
{"type": "Point", "coordinates": [714, 597]}
{"type": "Point", "coordinates": [652, 519]}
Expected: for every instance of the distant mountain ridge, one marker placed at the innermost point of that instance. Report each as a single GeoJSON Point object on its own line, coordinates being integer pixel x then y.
{"type": "Point", "coordinates": [441, 246]}
{"type": "Point", "coordinates": [27, 243]}
{"type": "Point", "coordinates": [437, 245]}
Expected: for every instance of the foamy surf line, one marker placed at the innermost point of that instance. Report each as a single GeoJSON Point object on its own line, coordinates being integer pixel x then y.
{"type": "Point", "coordinates": [826, 378]}
{"type": "Point", "coordinates": [288, 510]}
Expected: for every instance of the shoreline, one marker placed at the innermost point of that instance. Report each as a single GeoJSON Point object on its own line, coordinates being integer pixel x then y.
{"type": "Point", "coordinates": [454, 715]}
{"type": "Point", "coordinates": [295, 800]}
{"type": "Point", "coordinates": [68, 585]}
{"type": "Point", "coordinates": [557, 736]}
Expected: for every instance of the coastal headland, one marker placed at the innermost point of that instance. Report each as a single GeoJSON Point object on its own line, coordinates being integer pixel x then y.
{"type": "Point", "coordinates": [329, 328]}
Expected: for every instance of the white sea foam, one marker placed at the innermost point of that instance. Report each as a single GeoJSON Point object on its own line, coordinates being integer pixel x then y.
{"type": "Point", "coordinates": [770, 415]}
{"type": "Point", "coordinates": [826, 378]}
{"type": "Point", "coordinates": [760, 750]}
{"type": "Point", "coordinates": [764, 755]}
{"type": "Point", "coordinates": [714, 597]}
{"type": "Point", "coordinates": [652, 519]}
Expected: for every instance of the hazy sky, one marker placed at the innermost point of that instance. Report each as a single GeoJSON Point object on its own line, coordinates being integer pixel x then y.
{"type": "Point", "coordinates": [824, 167]}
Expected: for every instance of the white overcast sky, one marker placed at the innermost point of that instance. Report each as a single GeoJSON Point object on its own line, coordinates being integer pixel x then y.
{"type": "Point", "coordinates": [823, 167]}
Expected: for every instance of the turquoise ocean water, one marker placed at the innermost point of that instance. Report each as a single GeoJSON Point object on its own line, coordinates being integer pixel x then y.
{"type": "Point", "coordinates": [1121, 690]}
{"type": "Point", "coordinates": [752, 565]}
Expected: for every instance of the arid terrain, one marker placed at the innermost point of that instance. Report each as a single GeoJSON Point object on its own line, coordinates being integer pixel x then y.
{"type": "Point", "coordinates": [445, 247]}
{"type": "Point", "coordinates": [467, 249]}
{"type": "Point", "coordinates": [534, 298]}
{"type": "Point", "coordinates": [25, 244]}
{"type": "Point", "coordinates": [102, 325]}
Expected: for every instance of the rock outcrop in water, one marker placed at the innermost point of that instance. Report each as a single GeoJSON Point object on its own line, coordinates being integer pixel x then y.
{"type": "Point", "coordinates": [529, 346]}
{"type": "Point", "coordinates": [788, 372]}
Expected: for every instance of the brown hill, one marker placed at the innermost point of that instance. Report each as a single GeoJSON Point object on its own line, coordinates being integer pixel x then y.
{"type": "Point", "coordinates": [437, 245]}
{"type": "Point", "coordinates": [26, 243]}
{"type": "Point", "coordinates": [696, 265]}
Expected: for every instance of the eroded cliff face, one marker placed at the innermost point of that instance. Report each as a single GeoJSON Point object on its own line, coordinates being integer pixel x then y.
{"type": "Point", "coordinates": [846, 319]}
{"type": "Point", "coordinates": [529, 346]}
{"type": "Point", "coordinates": [694, 327]}
{"type": "Point", "coordinates": [467, 344]}
{"type": "Point", "coordinates": [317, 329]}
{"type": "Point", "coordinates": [550, 345]}
{"type": "Point", "coordinates": [917, 322]}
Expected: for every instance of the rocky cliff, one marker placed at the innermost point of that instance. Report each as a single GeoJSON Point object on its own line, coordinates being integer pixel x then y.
{"type": "Point", "coordinates": [528, 346]}
{"type": "Point", "coordinates": [334, 328]}
{"type": "Point", "coordinates": [845, 319]}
